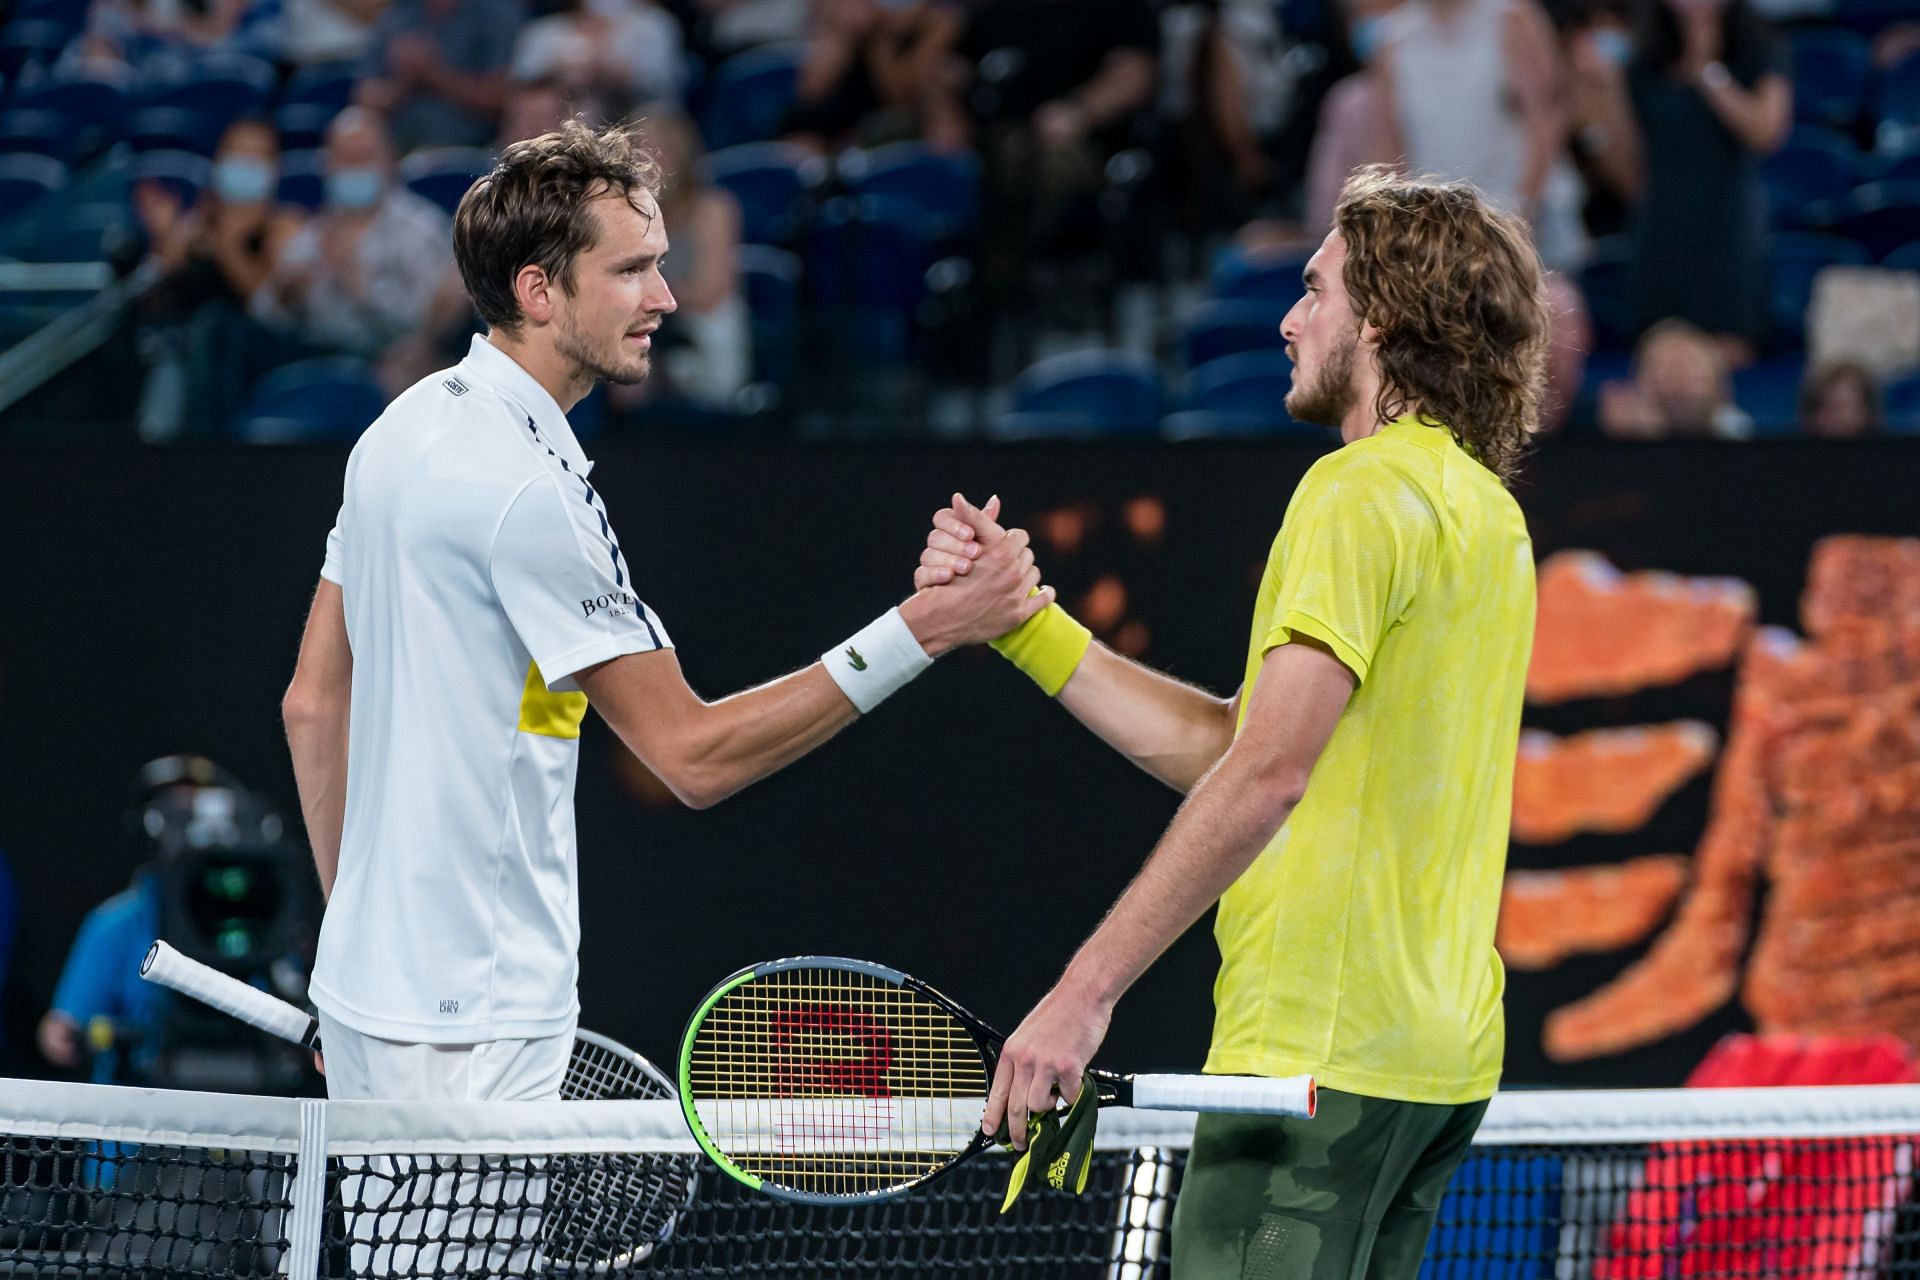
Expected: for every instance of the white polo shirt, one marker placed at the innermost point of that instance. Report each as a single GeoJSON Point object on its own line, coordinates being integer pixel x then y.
{"type": "Point", "coordinates": [479, 572]}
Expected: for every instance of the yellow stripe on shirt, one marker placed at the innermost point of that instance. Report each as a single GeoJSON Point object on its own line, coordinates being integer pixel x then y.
{"type": "Point", "coordinates": [551, 715]}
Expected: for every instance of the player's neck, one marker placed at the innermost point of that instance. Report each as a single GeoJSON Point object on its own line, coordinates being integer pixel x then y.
{"type": "Point", "coordinates": [553, 371]}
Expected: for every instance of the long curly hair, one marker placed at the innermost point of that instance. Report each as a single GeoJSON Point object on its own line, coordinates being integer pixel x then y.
{"type": "Point", "coordinates": [1458, 295]}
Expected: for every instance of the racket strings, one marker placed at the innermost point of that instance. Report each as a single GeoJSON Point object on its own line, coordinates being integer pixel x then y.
{"type": "Point", "coordinates": [835, 1082]}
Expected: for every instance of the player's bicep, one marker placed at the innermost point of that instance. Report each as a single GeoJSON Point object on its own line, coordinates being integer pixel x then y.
{"type": "Point", "coordinates": [324, 670]}
{"type": "Point", "coordinates": [1295, 704]}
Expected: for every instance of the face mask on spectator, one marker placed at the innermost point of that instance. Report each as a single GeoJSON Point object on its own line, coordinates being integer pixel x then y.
{"type": "Point", "coordinates": [355, 188]}
{"type": "Point", "coordinates": [243, 180]}
{"type": "Point", "coordinates": [1614, 45]}
{"type": "Point", "coordinates": [1365, 36]}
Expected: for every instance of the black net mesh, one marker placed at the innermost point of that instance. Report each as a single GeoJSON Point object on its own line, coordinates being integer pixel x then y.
{"type": "Point", "coordinates": [1827, 1208]}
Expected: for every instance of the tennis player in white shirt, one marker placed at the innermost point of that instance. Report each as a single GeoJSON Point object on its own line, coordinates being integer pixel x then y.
{"type": "Point", "coordinates": [473, 601]}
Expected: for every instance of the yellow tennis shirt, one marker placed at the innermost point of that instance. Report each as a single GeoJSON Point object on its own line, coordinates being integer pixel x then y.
{"type": "Point", "coordinates": [1358, 947]}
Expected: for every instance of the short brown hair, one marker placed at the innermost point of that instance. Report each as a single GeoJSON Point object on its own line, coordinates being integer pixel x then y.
{"type": "Point", "coordinates": [1457, 292]}
{"type": "Point", "coordinates": [532, 209]}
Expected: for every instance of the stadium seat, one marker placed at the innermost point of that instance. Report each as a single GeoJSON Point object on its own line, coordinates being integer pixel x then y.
{"type": "Point", "coordinates": [182, 172]}
{"type": "Point", "coordinates": [768, 179]}
{"type": "Point", "coordinates": [71, 14]}
{"type": "Point", "coordinates": [945, 189]}
{"type": "Point", "coordinates": [1815, 164]}
{"type": "Point", "coordinates": [218, 86]}
{"type": "Point", "coordinates": [864, 257]}
{"type": "Point", "coordinates": [1797, 258]}
{"type": "Point", "coordinates": [1210, 424]}
{"type": "Point", "coordinates": [1899, 166]}
{"type": "Point", "coordinates": [1604, 283]}
{"type": "Point", "coordinates": [1087, 393]}
{"type": "Point", "coordinates": [87, 102]}
{"type": "Point", "coordinates": [25, 179]}
{"type": "Point", "coordinates": [303, 125]}
{"type": "Point", "coordinates": [1905, 258]}
{"type": "Point", "coordinates": [40, 133]}
{"type": "Point", "coordinates": [85, 233]}
{"type": "Point", "coordinates": [1259, 277]}
{"type": "Point", "coordinates": [1770, 393]}
{"type": "Point", "coordinates": [1829, 75]}
{"type": "Point", "coordinates": [1254, 383]}
{"type": "Point", "coordinates": [303, 179]}
{"type": "Point", "coordinates": [326, 399]}
{"type": "Point", "coordinates": [1880, 215]}
{"type": "Point", "coordinates": [170, 129]}
{"type": "Point", "coordinates": [1903, 406]}
{"type": "Point", "coordinates": [1227, 327]}
{"type": "Point", "coordinates": [751, 95]}
{"type": "Point", "coordinates": [1897, 104]}
{"type": "Point", "coordinates": [443, 174]}
{"type": "Point", "coordinates": [329, 85]}
{"type": "Point", "coordinates": [31, 43]}
{"type": "Point", "coordinates": [770, 281]}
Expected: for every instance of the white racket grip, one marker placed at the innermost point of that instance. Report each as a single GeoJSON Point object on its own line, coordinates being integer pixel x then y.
{"type": "Point", "coordinates": [1239, 1095]}
{"type": "Point", "coordinates": [229, 995]}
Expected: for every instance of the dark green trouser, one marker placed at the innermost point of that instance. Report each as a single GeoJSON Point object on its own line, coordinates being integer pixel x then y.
{"type": "Point", "coordinates": [1348, 1195]}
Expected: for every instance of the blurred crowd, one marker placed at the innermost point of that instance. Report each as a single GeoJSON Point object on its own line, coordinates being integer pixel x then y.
{"type": "Point", "coordinates": [957, 192]}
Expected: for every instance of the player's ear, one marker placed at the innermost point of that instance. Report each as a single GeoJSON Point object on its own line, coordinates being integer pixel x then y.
{"type": "Point", "coordinates": [536, 292]}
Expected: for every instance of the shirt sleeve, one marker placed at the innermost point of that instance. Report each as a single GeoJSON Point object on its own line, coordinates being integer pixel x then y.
{"type": "Point", "coordinates": [333, 567]}
{"type": "Point", "coordinates": [1356, 540]}
{"type": "Point", "coordinates": [562, 578]}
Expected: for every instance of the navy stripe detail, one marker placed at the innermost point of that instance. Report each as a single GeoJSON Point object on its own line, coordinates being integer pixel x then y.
{"type": "Point", "coordinates": [606, 528]}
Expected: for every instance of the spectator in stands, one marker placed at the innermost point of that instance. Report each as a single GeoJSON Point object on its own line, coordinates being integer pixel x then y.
{"type": "Point", "coordinates": [320, 32]}
{"type": "Point", "coordinates": [1840, 401]}
{"type": "Point", "coordinates": [706, 359]}
{"type": "Point", "coordinates": [609, 54]}
{"type": "Point", "coordinates": [129, 32]}
{"type": "Point", "coordinates": [366, 269]}
{"type": "Point", "coordinates": [201, 346]}
{"type": "Point", "coordinates": [1499, 123]}
{"type": "Point", "coordinates": [1353, 129]}
{"type": "Point", "coordinates": [1597, 47]}
{"type": "Point", "coordinates": [532, 108]}
{"type": "Point", "coordinates": [1711, 97]}
{"type": "Point", "coordinates": [1054, 87]}
{"type": "Point", "coordinates": [440, 69]}
{"type": "Point", "coordinates": [872, 74]}
{"type": "Point", "coordinates": [1679, 388]}
{"type": "Point", "coordinates": [732, 25]}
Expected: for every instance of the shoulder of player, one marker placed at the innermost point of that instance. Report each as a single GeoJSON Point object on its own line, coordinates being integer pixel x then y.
{"type": "Point", "coordinates": [1375, 466]}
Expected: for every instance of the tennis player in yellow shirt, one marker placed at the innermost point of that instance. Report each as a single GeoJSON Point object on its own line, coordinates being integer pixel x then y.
{"type": "Point", "coordinates": [1347, 808]}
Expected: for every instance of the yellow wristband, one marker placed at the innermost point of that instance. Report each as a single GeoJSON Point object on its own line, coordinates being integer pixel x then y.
{"type": "Point", "coordinates": [1048, 647]}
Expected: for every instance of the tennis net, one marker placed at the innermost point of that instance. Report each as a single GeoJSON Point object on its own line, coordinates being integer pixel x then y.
{"type": "Point", "coordinates": [99, 1181]}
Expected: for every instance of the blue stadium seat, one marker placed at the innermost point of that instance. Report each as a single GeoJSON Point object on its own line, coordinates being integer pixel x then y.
{"type": "Point", "coordinates": [83, 233]}
{"type": "Point", "coordinates": [31, 43]}
{"type": "Point", "coordinates": [945, 189]}
{"type": "Point", "coordinates": [1229, 326]}
{"type": "Point", "coordinates": [1897, 103]}
{"type": "Point", "coordinates": [40, 133]}
{"type": "Point", "coordinates": [751, 95]}
{"type": "Point", "coordinates": [1829, 75]}
{"type": "Point", "coordinates": [303, 179]}
{"type": "Point", "coordinates": [1902, 165]}
{"type": "Point", "coordinates": [1905, 258]}
{"type": "Point", "coordinates": [25, 179]}
{"type": "Point", "coordinates": [443, 174]}
{"type": "Point", "coordinates": [1088, 393]}
{"type": "Point", "coordinates": [768, 179]}
{"type": "Point", "coordinates": [1880, 215]}
{"type": "Point", "coordinates": [1797, 258]}
{"type": "Point", "coordinates": [1261, 277]}
{"type": "Point", "coordinates": [329, 85]}
{"type": "Point", "coordinates": [182, 172]}
{"type": "Point", "coordinates": [71, 14]}
{"type": "Point", "coordinates": [303, 125]}
{"type": "Point", "coordinates": [1903, 406]}
{"type": "Point", "coordinates": [1213, 424]}
{"type": "Point", "coordinates": [770, 281]}
{"type": "Point", "coordinates": [1254, 383]}
{"type": "Point", "coordinates": [864, 257]}
{"type": "Point", "coordinates": [1815, 164]}
{"type": "Point", "coordinates": [1770, 393]}
{"type": "Point", "coordinates": [219, 86]}
{"type": "Point", "coordinates": [327, 399]}
{"type": "Point", "coordinates": [170, 129]}
{"type": "Point", "coordinates": [1604, 282]}
{"type": "Point", "coordinates": [87, 102]}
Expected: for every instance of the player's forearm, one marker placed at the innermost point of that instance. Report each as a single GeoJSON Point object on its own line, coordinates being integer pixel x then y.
{"type": "Point", "coordinates": [317, 739]}
{"type": "Point", "coordinates": [1172, 730]}
{"type": "Point", "coordinates": [1230, 817]}
{"type": "Point", "coordinates": [738, 740]}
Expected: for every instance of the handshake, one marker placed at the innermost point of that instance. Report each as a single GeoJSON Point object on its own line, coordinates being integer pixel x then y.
{"type": "Point", "coordinates": [976, 581]}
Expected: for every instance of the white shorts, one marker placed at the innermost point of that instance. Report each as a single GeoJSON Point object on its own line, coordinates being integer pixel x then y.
{"type": "Point", "coordinates": [412, 1215]}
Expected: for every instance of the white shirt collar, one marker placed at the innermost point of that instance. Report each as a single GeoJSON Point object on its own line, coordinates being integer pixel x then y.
{"type": "Point", "coordinates": [488, 363]}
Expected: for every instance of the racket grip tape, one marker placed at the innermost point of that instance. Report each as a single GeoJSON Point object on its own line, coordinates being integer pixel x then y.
{"type": "Point", "coordinates": [229, 995]}
{"type": "Point", "coordinates": [1236, 1095]}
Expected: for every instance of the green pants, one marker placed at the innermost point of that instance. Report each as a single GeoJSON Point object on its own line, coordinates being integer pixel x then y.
{"type": "Point", "coordinates": [1348, 1195]}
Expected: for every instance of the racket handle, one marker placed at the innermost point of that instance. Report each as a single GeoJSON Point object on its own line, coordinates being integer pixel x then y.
{"type": "Point", "coordinates": [1240, 1095]}
{"type": "Point", "coordinates": [229, 995]}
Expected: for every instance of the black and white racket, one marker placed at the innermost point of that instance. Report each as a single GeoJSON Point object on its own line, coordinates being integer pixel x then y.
{"type": "Point", "coordinates": [826, 1080]}
{"type": "Point", "coordinates": [606, 1212]}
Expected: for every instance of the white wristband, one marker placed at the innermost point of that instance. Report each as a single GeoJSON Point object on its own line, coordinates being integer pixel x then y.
{"type": "Point", "coordinates": [876, 660]}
